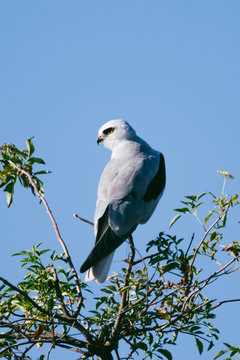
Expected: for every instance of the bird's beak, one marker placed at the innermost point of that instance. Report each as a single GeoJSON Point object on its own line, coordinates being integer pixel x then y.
{"type": "Point", "coordinates": [99, 139]}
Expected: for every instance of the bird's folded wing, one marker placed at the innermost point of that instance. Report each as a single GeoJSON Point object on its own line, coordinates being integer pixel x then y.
{"type": "Point", "coordinates": [121, 205]}
{"type": "Point", "coordinates": [106, 242]}
{"type": "Point", "coordinates": [127, 192]}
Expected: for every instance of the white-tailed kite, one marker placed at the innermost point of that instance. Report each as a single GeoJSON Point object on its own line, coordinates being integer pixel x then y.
{"type": "Point", "coordinates": [129, 189]}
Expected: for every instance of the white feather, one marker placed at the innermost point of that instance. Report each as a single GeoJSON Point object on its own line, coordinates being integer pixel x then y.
{"type": "Point", "coordinates": [100, 271]}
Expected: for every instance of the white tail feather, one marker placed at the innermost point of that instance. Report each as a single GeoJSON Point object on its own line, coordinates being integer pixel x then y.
{"type": "Point", "coordinates": [100, 271]}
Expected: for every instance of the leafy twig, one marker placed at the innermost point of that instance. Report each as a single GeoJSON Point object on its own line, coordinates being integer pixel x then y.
{"type": "Point", "coordinates": [205, 235]}
{"type": "Point", "coordinates": [60, 239]}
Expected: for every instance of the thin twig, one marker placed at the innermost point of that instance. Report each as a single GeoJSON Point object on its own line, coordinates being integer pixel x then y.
{"type": "Point", "coordinates": [26, 350]}
{"type": "Point", "coordinates": [84, 220]}
{"type": "Point", "coordinates": [174, 319]}
{"type": "Point", "coordinates": [216, 273]}
{"type": "Point", "coordinates": [189, 297]}
{"type": "Point", "coordinates": [117, 323]}
{"type": "Point", "coordinates": [204, 237]}
{"type": "Point", "coordinates": [58, 291]}
{"type": "Point", "coordinates": [143, 258]}
{"type": "Point", "coordinates": [61, 241]}
{"type": "Point", "coordinates": [224, 302]}
{"type": "Point", "coordinates": [49, 351]}
{"type": "Point", "coordinates": [141, 299]}
{"type": "Point", "coordinates": [117, 354]}
{"type": "Point", "coordinates": [190, 244]}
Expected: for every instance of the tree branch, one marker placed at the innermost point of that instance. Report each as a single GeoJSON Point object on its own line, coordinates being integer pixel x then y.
{"type": "Point", "coordinates": [65, 320]}
{"type": "Point", "coordinates": [41, 309]}
{"type": "Point", "coordinates": [224, 302]}
{"type": "Point", "coordinates": [205, 235]}
{"type": "Point", "coordinates": [45, 338]}
{"type": "Point", "coordinates": [217, 273]}
{"type": "Point", "coordinates": [58, 291]}
{"type": "Point", "coordinates": [61, 241]}
{"type": "Point", "coordinates": [115, 330]}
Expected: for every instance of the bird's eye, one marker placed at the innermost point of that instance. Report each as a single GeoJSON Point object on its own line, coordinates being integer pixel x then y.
{"type": "Point", "coordinates": [108, 131]}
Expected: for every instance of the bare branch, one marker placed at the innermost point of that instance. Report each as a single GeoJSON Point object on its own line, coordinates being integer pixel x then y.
{"type": "Point", "coordinates": [218, 272]}
{"type": "Point", "coordinates": [190, 244]}
{"type": "Point", "coordinates": [84, 220]}
{"type": "Point", "coordinates": [27, 350]}
{"type": "Point", "coordinates": [224, 302]}
{"type": "Point", "coordinates": [143, 258]}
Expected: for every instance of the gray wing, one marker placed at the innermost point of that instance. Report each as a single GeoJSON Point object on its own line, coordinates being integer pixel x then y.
{"type": "Point", "coordinates": [127, 195]}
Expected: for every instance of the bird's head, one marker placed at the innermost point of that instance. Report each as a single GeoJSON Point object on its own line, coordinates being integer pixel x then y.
{"type": "Point", "coordinates": [115, 131]}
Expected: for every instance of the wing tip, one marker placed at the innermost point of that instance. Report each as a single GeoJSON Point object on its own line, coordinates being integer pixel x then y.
{"type": "Point", "coordinates": [84, 267]}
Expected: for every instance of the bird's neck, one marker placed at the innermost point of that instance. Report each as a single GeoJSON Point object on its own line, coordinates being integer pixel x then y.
{"type": "Point", "coordinates": [128, 148]}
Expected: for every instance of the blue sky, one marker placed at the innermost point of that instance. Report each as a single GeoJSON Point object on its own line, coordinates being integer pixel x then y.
{"type": "Point", "coordinates": [170, 68]}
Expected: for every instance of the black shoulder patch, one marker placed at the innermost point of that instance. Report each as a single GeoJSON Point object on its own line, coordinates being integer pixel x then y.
{"type": "Point", "coordinates": [157, 185]}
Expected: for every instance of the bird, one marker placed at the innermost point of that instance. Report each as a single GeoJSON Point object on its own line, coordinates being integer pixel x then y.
{"type": "Point", "coordinates": [129, 190]}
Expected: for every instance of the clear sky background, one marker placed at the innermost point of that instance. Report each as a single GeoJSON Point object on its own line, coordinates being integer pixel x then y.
{"type": "Point", "coordinates": [170, 68]}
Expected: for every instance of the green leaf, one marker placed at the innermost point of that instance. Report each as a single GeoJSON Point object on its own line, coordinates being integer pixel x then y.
{"type": "Point", "coordinates": [220, 353]}
{"type": "Point", "coordinates": [199, 345]}
{"type": "Point", "coordinates": [235, 351]}
{"type": "Point", "coordinates": [183, 210]}
{"type": "Point", "coordinates": [224, 219]}
{"type": "Point", "coordinates": [112, 287]}
{"type": "Point", "coordinates": [191, 197]}
{"type": "Point", "coordinates": [234, 198]}
{"type": "Point", "coordinates": [194, 328]}
{"type": "Point", "coordinates": [166, 353]}
{"type": "Point", "coordinates": [210, 346]}
{"type": "Point", "coordinates": [30, 147]}
{"type": "Point", "coordinates": [42, 172]}
{"type": "Point", "coordinates": [20, 152]}
{"type": "Point", "coordinates": [213, 235]}
{"type": "Point", "coordinates": [6, 156]}
{"type": "Point", "coordinates": [142, 345]}
{"type": "Point", "coordinates": [150, 338]}
{"type": "Point", "coordinates": [10, 187]}
{"type": "Point", "coordinates": [37, 160]}
{"type": "Point", "coordinates": [106, 291]}
{"type": "Point", "coordinates": [210, 193]}
{"type": "Point", "coordinates": [174, 220]}
{"type": "Point", "coordinates": [208, 217]}
{"type": "Point", "coordinates": [201, 195]}
{"type": "Point", "coordinates": [231, 347]}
